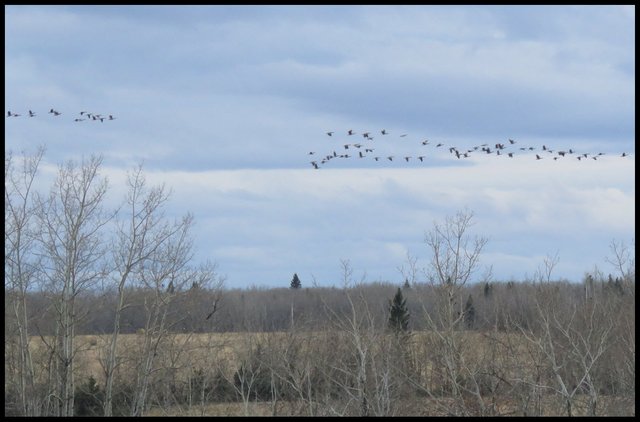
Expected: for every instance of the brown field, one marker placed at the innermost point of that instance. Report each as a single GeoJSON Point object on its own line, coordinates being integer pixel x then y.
{"type": "Point", "coordinates": [186, 352]}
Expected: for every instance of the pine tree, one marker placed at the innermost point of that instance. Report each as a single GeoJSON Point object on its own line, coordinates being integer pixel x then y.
{"type": "Point", "coordinates": [469, 313]}
{"type": "Point", "coordinates": [398, 313]}
{"type": "Point", "coordinates": [295, 283]}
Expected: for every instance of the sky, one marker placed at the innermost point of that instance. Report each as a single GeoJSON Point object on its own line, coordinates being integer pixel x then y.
{"type": "Point", "coordinates": [224, 104]}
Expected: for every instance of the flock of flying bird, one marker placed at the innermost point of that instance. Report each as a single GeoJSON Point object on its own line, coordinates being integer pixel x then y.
{"type": "Point", "coordinates": [507, 149]}
{"type": "Point", "coordinates": [84, 115]}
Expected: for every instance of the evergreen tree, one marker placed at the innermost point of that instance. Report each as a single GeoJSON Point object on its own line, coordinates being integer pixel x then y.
{"type": "Point", "coordinates": [469, 313]}
{"type": "Point", "coordinates": [398, 313]}
{"type": "Point", "coordinates": [406, 284]}
{"type": "Point", "coordinates": [295, 283]}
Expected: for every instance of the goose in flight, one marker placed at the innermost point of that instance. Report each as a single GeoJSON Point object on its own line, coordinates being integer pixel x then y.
{"type": "Point", "coordinates": [383, 131]}
{"type": "Point", "coordinates": [538, 157]}
{"type": "Point", "coordinates": [624, 154]}
{"type": "Point", "coordinates": [31, 113]}
{"type": "Point", "coordinates": [511, 141]}
{"type": "Point", "coordinates": [425, 142]}
{"type": "Point", "coordinates": [314, 164]}
{"type": "Point", "coordinates": [350, 132]}
{"type": "Point", "coordinates": [421, 157]}
{"type": "Point", "coordinates": [330, 133]}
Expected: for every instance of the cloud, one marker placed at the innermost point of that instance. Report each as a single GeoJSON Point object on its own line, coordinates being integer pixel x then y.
{"type": "Point", "coordinates": [224, 104]}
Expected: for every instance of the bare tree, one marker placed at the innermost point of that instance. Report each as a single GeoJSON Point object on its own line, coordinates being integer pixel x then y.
{"type": "Point", "coordinates": [571, 339]}
{"type": "Point", "coordinates": [71, 220]}
{"type": "Point", "coordinates": [139, 234]}
{"type": "Point", "coordinates": [455, 258]}
{"type": "Point", "coordinates": [623, 258]}
{"type": "Point", "coordinates": [549, 263]}
{"type": "Point", "coordinates": [409, 270]}
{"type": "Point", "coordinates": [20, 266]}
{"type": "Point", "coordinates": [169, 277]}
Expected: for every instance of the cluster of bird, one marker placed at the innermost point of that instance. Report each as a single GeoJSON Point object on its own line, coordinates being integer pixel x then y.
{"type": "Point", "coordinates": [507, 149]}
{"type": "Point", "coordinates": [84, 115]}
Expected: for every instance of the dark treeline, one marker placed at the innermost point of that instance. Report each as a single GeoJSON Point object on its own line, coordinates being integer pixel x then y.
{"type": "Point", "coordinates": [279, 309]}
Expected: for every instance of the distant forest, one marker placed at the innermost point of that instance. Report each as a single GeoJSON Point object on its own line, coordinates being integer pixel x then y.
{"type": "Point", "coordinates": [278, 309]}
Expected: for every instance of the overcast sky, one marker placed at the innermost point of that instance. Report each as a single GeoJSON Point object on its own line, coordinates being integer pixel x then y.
{"type": "Point", "coordinates": [225, 103]}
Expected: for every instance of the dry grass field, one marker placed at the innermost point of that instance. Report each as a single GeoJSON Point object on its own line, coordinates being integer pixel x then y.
{"type": "Point", "coordinates": [185, 353]}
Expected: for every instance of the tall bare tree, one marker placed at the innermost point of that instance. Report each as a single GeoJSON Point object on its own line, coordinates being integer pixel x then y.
{"type": "Point", "coordinates": [455, 257]}
{"type": "Point", "coordinates": [20, 266]}
{"type": "Point", "coordinates": [140, 231]}
{"type": "Point", "coordinates": [71, 220]}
